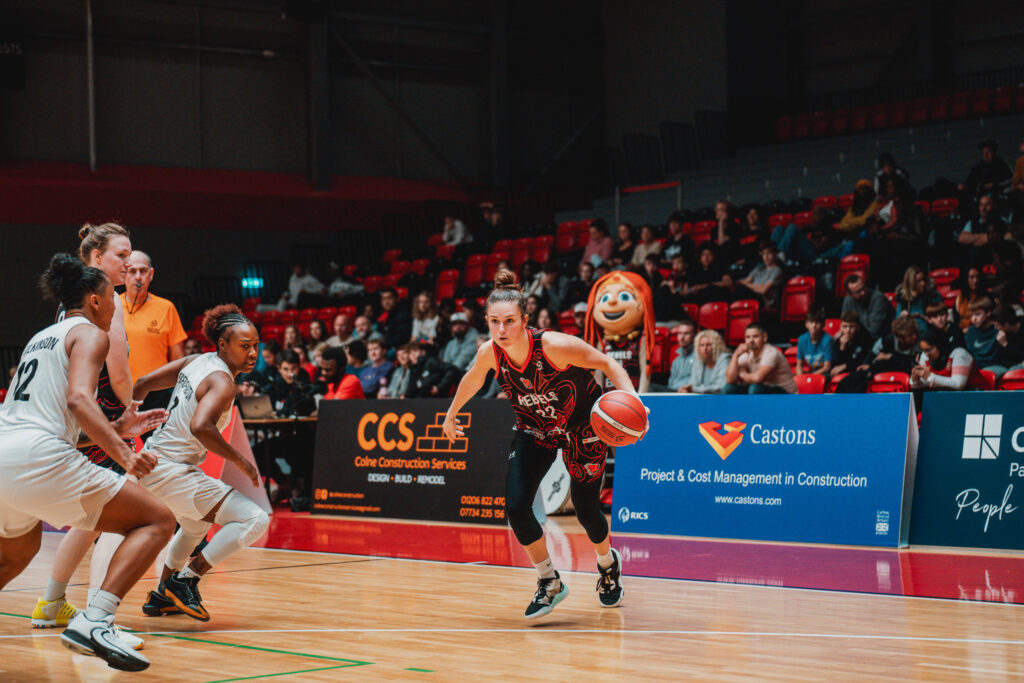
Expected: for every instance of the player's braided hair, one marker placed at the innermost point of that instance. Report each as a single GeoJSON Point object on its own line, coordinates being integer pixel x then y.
{"type": "Point", "coordinates": [220, 319]}
{"type": "Point", "coordinates": [507, 289]}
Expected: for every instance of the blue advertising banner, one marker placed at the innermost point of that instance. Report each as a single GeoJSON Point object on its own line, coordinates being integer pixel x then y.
{"type": "Point", "coordinates": [831, 468]}
{"type": "Point", "coordinates": [969, 484]}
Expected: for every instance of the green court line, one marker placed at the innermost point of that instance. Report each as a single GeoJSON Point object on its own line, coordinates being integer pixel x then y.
{"type": "Point", "coordinates": [347, 662]}
{"type": "Point", "coordinates": [283, 673]}
{"type": "Point", "coordinates": [426, 671]}
{"type": "Point", "coordinates": [20, 616]}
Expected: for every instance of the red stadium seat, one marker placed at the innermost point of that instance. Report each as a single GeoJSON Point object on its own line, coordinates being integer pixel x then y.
{"type": "Point", "coordinates": [827, 201]}
{"type": "Point", "coordinates": [803, 219]}
{"type": "Point", "coordinates": [938, 108]}
{"type": "Point", "coordinates": [583, 233]}
{"type": "Point", "coordinates": [801, 126]}
{"type": "Point", "coordinates": [372, 283]}
{"type": "Point", "coordinates": [447, 283]}
{"type": "Point", "coordinates": [713, 315]}
{"type": "Point", "coordinates": [878, 116]}
{"type": "Point", "coordinates": [3, 395]}
{"type": "Point", "coordinates": [504, 245]}
{"type": "Point", "coordinates": [819, 123]}
{"type": "Point", "coordinates": [925, 207]}
{"type": "Point", "coordinates": [269, 318]}
{"type": "Point", "coordinates": [848, 265]}
{"type": "Point", "coordinates": [419, 266]}
{"type": "Point", "coordinates": [777, 219]}
{"type": "Point", "coordinates": [691, 311]}
{"type": "Point", "coordinates": [289, 317]}
{"type": "Point", "coordinates": [327, 313]}
{"type": "Point", "coordinates": [846, 201]}
{"type": "Point", "coordinates": [891, 296]}
{"type": "Point", "coordinates": [981, 102]}
{"type": "Point", "coordinates": [784, 128]}
{"type": "Point", "coordinates": [307, 314]}
{"type": "Point", "coordinates": [982, 380]}
{"type": "Point", "coordinates": [1012, 381]}
{"type": "Point", "coordinates": [919, 111]}
{"type": "Point", "coordinates": [945, 276]}
{"type": "Point", "coordinates": [476, 265]}
{"type": "Point", "coordinates": [435, 240]}
{"type": "Point", "coordinates": [391, 255]}
{"type": "Point", "coordinates": [790, 355]}
{"type": "Point", "coordinates": [746, 304]}
{"type": "Point", "coordinates": [736, 322]}
{"type": "Point", "coordinates": [271, 332]}
{"type": "Point", "coordinates": [944, 207]}
{"type": "Point", "coordinates": [254, 316]}
{"type": "Point", "coordinates": [832, 326]}
{"type": "Point", "coordinates": [565, 237]}
{"type": "Point", "coordinates": [445, 252]}
{"type": "Point", "coordinates": [797, 299]}
{"type": "Point", "coordinates": [303, 329]}
{"type": "Point", "coordinates": [1003, 100]}
{"type": "Point", "coordinates": [960, 105]}
{"type": "Point", "coordinates": [858, 119]}
{"type": "Point", "coordinates": [810, 383]}
{"type": "Point", "coordinates": [349, 310]}
{"type": "Point", "coordinates": [402, 292]}
{"type": "Point", "coordinates": [889, 382]}
{"type": "Point", "coordinates": [400, 267]}
{"type": "Point", "coordinates": [493, 259]}
{"type": "Point", "coordinates": [899, 113]}
{"type": "Point", "coordinates": [350, 270]}
{"type": "Point", "coordinates": [565, 319]}
{"type": "Point", "coordinates": [834, 382]}
{"type": "Point", "coordinates": [521, 251]}
{"type": "Point", "coordinates": [702, 231]}
{"type": "Point", "coordinates": [542, 247]}
{"type": "Point", "coordinates": [839, 121]}
{"type": "Point", "coordinates": [390, 281]}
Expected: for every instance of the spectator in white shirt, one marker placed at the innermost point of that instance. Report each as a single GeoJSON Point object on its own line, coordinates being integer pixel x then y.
{"type": "Point", "coordinates": [301, 282]}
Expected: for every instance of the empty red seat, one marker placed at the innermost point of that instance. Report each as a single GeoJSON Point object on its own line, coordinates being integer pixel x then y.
{"type": "Point", "coordinates": [419, 266]}
{"type": "Point", "coordinates": [938, 108]}
{"type": "Point", "coordinates": [445, 252]}
{"type": "Point", "coordinates": [391, 255]}
{"type": "Point", "coordinates": [736, 323]}
{"type": "Point", "coordinates": [826, 201]}
{"type": "Point", "coordinates": [777, 219]}
{"type": "Point", "coordinates": [289, 317]}
{"type": "Point", "coordinates": [839, 121]}
{"type": "Point", "coordinates": [949, 297]}
{"type": "Point", "coordinates": [691, 311]}
{"type": "Point", "coordinates": [878, 116]}
{"type": "Point", "coordinates": [402, 292]}
{"type": "Point", "coordinates": [504, 245]}
{"type": "Point", "coordinates": [858, 119]}
{"type": "Point", "coordinates": [399, 267]}
{"type": "Point", "coordinates": [926, 207]}
{"type": "Point", "coordinates": [804, 218]}
{"type": "Point", "coordinates": [542, 246]}
{"type": "Point", "coordinates": [435, 240]}
{"type": "Point", "coordinates": [712, 315]}
{"type": "Point", "coordinates": [565, 238]}
{"type": "Point", "coordinates": [889, 382]}
{"type": "Point", "coordinates": [476, 266]}
{"type": "Point", "coordinates": [372, 283]}
{"type": "Point", "coordinates": [846, 201]}
{"type": "Point", "coordinates": [583, 233]}
{"type": "Point", "coordinates": [1012, 380]}
{"type": "Point", "coordinates": [945, 276]}
{"type": "Point", "coordinates": [307, 314]}
{"type": "Point", "coordinates": [784, 128]}
{"type": "Point", "coordinates": [801, 126]}
{"type": "Point", "coordinates": [390, 281]}
{"type": "Point", "coordinates": [350, 270]}
{"type": "Point", "coordinates": [349, 310]}
{"type": "Point", "coordinates": [981, 102]}
{"type": "Point", "coordinates": [797, 299]}
{"type": "Point", "coordinates": [960, 105]}
{"type": "Point", "coordinates": [702, 231]}
{"type": "Point", "coordinates": [810, 383]}
{"type": "Point", "coordinates": [944, 207]}
{"type": "Point", "coordinates": [521, 251]}
{"type": "Point", "coordinates": [269, 318]}
{"type": "Point", "coordinates": [819, 123]}
{"type": "Point", "coordinates": [919, 111]}
{"type": "Point", "coordinates": [1002, 102]}
{"type": "Point", "coordinates": [899, 113]}
{"type": "Point", "coordinates": [447, 283]}
{"type": "Point", "coordinates": [982, 380]}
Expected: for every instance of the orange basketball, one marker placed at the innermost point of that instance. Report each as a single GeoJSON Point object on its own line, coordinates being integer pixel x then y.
{"type": "Point", "coordinates": [619, 418]}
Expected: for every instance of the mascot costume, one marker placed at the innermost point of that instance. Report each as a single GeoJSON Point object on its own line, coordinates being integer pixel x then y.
{"type": "Point", "coordinates": [620, 322]}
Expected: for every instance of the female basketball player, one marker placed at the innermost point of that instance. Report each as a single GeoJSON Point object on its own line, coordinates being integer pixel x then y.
{"type": "Point", "coordinates": [547, 377]}
{"type": "Point", "coordinates": [200, 407]}
{"type": "Point", "coordinates": [107, 248]}
{"type": "Point", "coordinates": [43, 477]}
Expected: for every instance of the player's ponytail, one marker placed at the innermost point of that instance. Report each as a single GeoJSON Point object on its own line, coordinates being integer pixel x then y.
{"type": "Point", "coordinates": [67, 280]}
{"type": "Point", "coordinates": [218, 320]}
{"type": "Point", "coordinates": [507, 290]}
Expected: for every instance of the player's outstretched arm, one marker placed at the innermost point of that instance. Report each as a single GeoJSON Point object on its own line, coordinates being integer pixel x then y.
{"type": "Point", "coordinates": [163, 377]}
{"type": "Point", "coordinates": [564, 350]}
{"type": "Point", "coordinates": [470, 383]}
{"type": "Point", "coordinates": [215, 395]}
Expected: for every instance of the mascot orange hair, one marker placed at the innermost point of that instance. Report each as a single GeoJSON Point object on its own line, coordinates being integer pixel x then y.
{"type": "Point", "coordinates": [620, 322]}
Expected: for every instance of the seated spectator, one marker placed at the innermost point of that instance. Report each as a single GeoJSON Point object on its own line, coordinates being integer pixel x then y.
{"type": "Point", "coordinates": [651, 272]}
{"type": "Point", "coordinates": [751, 232]}
{"type": "Point", "coordinates": [1007, 283]}
{"type": "Point", "coordinates": [455, 232]}
{"type": "Point", "coordinates": [547, 319]}
{"type": "Point", "coordinates": [554, 287]}
{"type": "Point", "coordinates": [265, 372]}
{"type": "Point", "coordinates": [888, 172]}
{"type": "Point", "coordinates": [307, 369]}
{"type": "Point", "coordinates": [191, 348]}
{"type": "Point", "coordinates": [765, 281]}
{"type": "Point", "coordinates": [941, 366]}
{"type": "Point", "coordinates": [373, 374]}
{"type": "Point", "coordinates": [982, 232]}
{"type": "Point", "coordinates": [916, 293]}
{"type": "Point", "coordinates": [599, 248]}
{"type": "Point", "coordinates": [474, 315]}
{"type": "Point", "coordinates": [983, 338]}
{"type": "Point", "coordinates": [394, 320]}
{"type": "Point", "coordinates": [851, 348]}
{"type": "Point", "coordinates": [707, 280]}
{"type": "Point", "coordinates": [678, 243]}
{"type": "Point", "coordinates": [363, 328]}
{"type": "Point", "coordinates": [342, 287]}
{"type": "Point", "coordinates": [461, 348]}
{"type": "Point", "coordinates": [670, 293]}
{"type": "Point", "coordinates": [1010, 337]}
{"type": "Point", "coordinates": [710, 364]}
{"type": "Point", "coordinates": [317, 333]}
{"type": "Point", "coordinates": [355, 357]}
{"type": "Point", "coordinates": [532, 306]}
{"type": "Point", "coordinates": [530, 278]}
{"type": "Point", "coordinates": [399, 380]}
{"type": "Point", "coordinates": [814, 347]}
{"type": "Point", "coordinates": [937, 316]}
{"type": "Point", "coordinates": [820, 240]}
{"type": "Point", "coordinates": [429, 376]}
{"type": "Point", "coordinates": [601, 269]}
{"type": "Point", "coordinates": [304, 290]}
{"type": "Point", "coordinates": [862, 209]}
{"type": "Point", "coordinates": [647, 246]}
{"type": "Point", "coordinates": [625, 245]}
{"type": "Point", "coordinates": [898, 350]}
{"type": "Point", "coordinates": [579, 286]}
{"type": "Point", "coordinates": [757, 367]}
{"type": "Point", "coordinates": [579, 317]}
{"type": "Point", "coordinates": [990, 175]}
{"type": "Point", "coordinates": [334, 382]}
{"type": "Point", "coordinates": [290, 393]}
{"type": "Point", "coordinates": [682, 366]}
{"type": "Point", "coordinates": [291, 337]}
{"type": "Point", "coordinates": [872, 306]}
{"type": "Point", "coordinates": [726, 236]}
{"type": "Point", "coordinates": [342, 331]}
{"type": "Point", "coordinates": [424, 319]}
{"type": "Point", "coordinates": [972, 287]}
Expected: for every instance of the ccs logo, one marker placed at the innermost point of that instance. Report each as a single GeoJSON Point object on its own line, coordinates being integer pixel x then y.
{"type": "Point", "coordinates": [625, 514]}
{"type": "Point", "coordinates": [392, 431]}
{"type": "Point", "coordinates": [723, 443]}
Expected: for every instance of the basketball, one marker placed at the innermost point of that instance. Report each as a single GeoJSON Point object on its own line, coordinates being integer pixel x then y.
{"type": "Point", "coordinates": [619, 418]}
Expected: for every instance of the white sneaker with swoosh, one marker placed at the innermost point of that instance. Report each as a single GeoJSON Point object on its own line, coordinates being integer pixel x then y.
{"type": "Point", "coordinates": [100, 638]}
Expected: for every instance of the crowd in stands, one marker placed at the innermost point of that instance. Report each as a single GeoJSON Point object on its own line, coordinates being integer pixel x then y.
{"type": "Point", "coordinates": [922, 285]}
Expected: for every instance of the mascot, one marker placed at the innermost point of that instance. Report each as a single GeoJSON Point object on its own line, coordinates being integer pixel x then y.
{"type": "Point", "coordinates": [620, 322]}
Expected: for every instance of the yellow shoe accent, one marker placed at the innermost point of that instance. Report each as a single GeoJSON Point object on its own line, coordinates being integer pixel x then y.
{"type": "Point", "coordinates": [54, 613]}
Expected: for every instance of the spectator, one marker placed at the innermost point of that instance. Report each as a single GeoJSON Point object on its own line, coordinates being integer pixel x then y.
{"type": "Point", "coordinates": [814, 347]}
{"type": "Point", "coordinates": [307, 369]}
{"type": "Point", "coordinates": [600, 270]}
{"type": "Point", "coordinates": [851, 348]}
{"type": "Point", "coordinates": [647, 246]}
{"type": "Point", "coordinates": [342, 331]}
{"type": "Point", "coordinates": [343, 288]}
{"type": "Point", "coordinates": [363, 328]}
{"type": "Point", "coordinates": [317, 333]}
{"type": "Point", "coordinates": [399, 375]}
{"type": "Point", "coordinates": [625, 245]}
{"type": "Point", "coordinates": [334, 382]}
{"type": "Point", "coordinates": [530, 278]}
{"type": "Point", "coordinates": [532, 306]}
{"type": "Point", "coordinates": [291, 337]}
{"type": "Point", "coordinates": [373, 375]}
{"type": "Point", "coordinates": [1010, 338]}
{"type": "Point", "coordinates": [265, 373]}
{"type": "Point", "coordinates": [972, 288]}
{"type": "Point", "coordinates": [980, 233]}
{"type": "Point", "coordinates": [455, 232]}
{"type": "Point", "coordinates": [355, 357]}
{"type": "Point", "coordinates": [817, 243]}
{"type": "Point", "coordinates": [579, 318]}
{"type": "Point", "coordinates": [599, 248]}
{"type": "Point", "coordinates": [937, 316]}
{"type": "Point", "coordinates": [893, 236]}
{"type": "Point", "coordinates": [707, 281]}
{"type": "Point", "coordinates": [678, 243]}
{"type": "Point", "coordinates": [547, 319]}
{"type": "Point", "coordinates": [462, 346]}
{"type": "Point", "coordinates": [429, 376]}
{"type": "Point", "coordinates": [862, 209]}
{"type": "Point", "coordinates": [424, 319]}
{"type": "Point", "coordinates": [554, 287]}
{"type": "Point", "coordinates": [290, 391]}
{"type": "Point", "coordinates": [710, 364]}
{"type": "Point", "coordinates": [152, 326]}
{"type": "Point", "coordinates": [872, 306]}
{"type": "Point", "coordinates": [1007, 282]}
{"type": "Point", "coordinates": [990, 175]}
{"type": "Point", "coordinates": [192, 347]}
{"type": "Point", "coordinates": [915, 294]}
{"type": "Point", "coordinates": [726, 236]}
{"type": "Point", "coordinates": [394, 321]}
{"type": "Point", "coordinates": [303, 289]}
{"type": "Point", "coordinates": [889, 171]}
{"type": "Point", "coordinates": [765, 281]}
{"type": "Point", "coordinates": [751, 232]}
{"type": "Point", "coordinates": [474, 314]}
{"type": "Point", "coordinates": [579, 286]}
{"type": "Point", "coordinates": [983, 339]}
{"type": "Point", "coordinates": [757, 367]}
{"type": "Point", "coordinates": [940, 366]}
{"type": "Point", "coordinates": [897, 351]}
{"type": "Point", "coordinates": [651, 272]}
{"type": "Point", "coordinates": [669, 295]}
{"type": "Point", "coordinates": [679, 376]}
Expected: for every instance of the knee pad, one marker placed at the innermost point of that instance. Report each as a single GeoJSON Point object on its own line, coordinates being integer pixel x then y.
{"type": "Point", "coordinates": [184, 542]}
{"type": "Point", "coordinates": [238, 509]}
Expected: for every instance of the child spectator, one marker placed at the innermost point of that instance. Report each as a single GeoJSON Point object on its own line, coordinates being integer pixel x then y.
{"type": "Point", "coordinates": [757, 367]}
{"type": "Point", "coordinates": [290, 393]}
{"type": "Point", "coordinates": [851, 348]}
{"type": "Point", "coordinates": [625, 245]}
{"type": "Point", "coordinates": [355, 356]}
{"type": "Point", "coordinates": [1010, 339]}
{"type": "Point", "coordinates": [710, 364]}
{"type": "Point", "coordinates": [981, 337]}
{"type": "Point", "coordinates": [678, 243]}
{"type": "Point", "coordinates": [814, 347]}
{"type": "Point", "coordinates": [707, 281]}
{"type": "Point", "coordinates": [399, 375]}
{"type": "Point", "coordinates": [766, 279]}
{"type": "Point", "coordinates": [373, 375]}
{"type": "Point", "coordinates": [429, 377]}
{"type": "Point", "coordinates": [937, 316]}
{"type": "Point", "coordinates": [972, 288]}
{"type": "Point", "coordinates": [898, 350]}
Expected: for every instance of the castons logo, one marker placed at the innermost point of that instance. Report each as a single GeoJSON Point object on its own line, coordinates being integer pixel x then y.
{"type": "Point", "coordinates": [725, 442]}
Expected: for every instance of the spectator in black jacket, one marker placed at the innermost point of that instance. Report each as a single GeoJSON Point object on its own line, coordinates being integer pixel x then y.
{"type": "Point", "coordinates": [852, 348]}
{"type": "Point", "coordinates": [991, 174]}
{"type": "Point", "coordinates": [429, 376]}
{"type": "Point", "coordinates": [291, 394]}
{"type": "Point", "coordinates": [395, 320]}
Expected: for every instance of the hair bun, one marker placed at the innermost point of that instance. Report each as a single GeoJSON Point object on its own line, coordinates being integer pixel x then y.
{"type": "Point", "coordinates": [85, 230]}
{"type": "Point", "coordinates": [506, 279]}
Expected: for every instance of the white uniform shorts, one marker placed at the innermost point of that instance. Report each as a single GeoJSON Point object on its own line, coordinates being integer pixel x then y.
{"type": "Point", "coordinates": [188, 491]}
{"type": "Point", "coordinates": [44, 478]}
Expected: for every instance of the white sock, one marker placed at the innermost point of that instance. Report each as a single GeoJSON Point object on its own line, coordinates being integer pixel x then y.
{"type": "Point", "coordinates": [606, 560]}
{"type": "Point", "coordinates": [54, 590]}
{"type": "Point", "coordinates": [101, 605]}
{"type": "Point", "coordinates": [187, 573]}
{"type": "Point", "coordinates": [92, 594]}
{"type": "Point", "coordinates": [546, 569]}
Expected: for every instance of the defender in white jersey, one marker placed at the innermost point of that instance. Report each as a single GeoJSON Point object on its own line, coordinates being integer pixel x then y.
{"type": "Point", "coordinates": [200, 408]}
{"type": "Point", "coordinates": [43, 476]}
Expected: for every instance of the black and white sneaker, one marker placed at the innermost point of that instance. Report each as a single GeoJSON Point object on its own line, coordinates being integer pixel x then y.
{"type": "Point", "coordinates": [184, 593]}
{"type": "Point", "coordinates": [549, 593]}
{"type": "Point", "coordinates": [100, 638]}
{"type": "Point", "coordinates": [609, 584]}
{"type": "Point", "coordinates": [157, 605]}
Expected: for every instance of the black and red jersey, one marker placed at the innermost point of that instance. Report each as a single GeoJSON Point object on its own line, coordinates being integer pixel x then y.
{"type": "Point", "coordinates": [548, 401]}
{"type": "Point", "coordinates": [627, 353]}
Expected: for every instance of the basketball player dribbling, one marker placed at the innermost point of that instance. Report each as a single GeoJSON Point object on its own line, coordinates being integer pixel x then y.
{"type": "Point", "coordinates": [200, 408]}
{"type": "Point", "coordinates": [548, 380]}
{"type": "Point", "coordinates": [44, 477]}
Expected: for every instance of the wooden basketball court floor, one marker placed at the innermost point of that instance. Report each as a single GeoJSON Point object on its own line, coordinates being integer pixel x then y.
{"type": "Point", "coordinates": [356, 599]}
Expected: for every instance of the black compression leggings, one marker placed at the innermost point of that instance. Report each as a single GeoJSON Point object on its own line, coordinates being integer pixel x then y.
{"type": "Point", "coordinates": [528, 462]}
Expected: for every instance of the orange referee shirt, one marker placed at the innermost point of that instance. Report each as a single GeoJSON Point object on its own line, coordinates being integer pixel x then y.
{"type": "Point", "coordinates": [152, 328]}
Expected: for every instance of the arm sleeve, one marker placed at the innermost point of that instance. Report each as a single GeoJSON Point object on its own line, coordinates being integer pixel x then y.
{"type": "Point", "coordinates": [961, 363]}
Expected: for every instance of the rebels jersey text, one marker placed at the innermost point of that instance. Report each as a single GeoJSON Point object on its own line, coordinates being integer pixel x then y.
{"type": "Point", "coordinates": [627, 353]}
